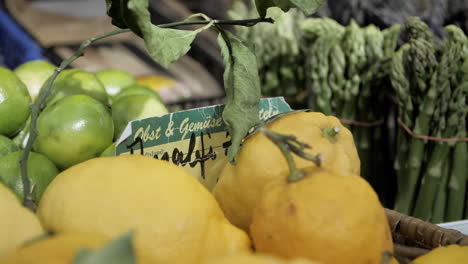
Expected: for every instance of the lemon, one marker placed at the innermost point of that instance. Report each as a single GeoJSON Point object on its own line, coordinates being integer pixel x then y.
{"type": "Point", "coordinates": [17, 224]}
{"type": "Point", "coordinates": [156, 82]}
{"type": "Point", "coordinates": [76, 81]}
{"type": "Point", "coordinates": [114, 81]}
{"type": "Point", "coordinates": [7, 146]}
{"type": "Point", "coordinates": [244, 258]}
{"type": "Point", "coordinates": [137, 89]}
{"type": "Point", "coordinates": [326, 216]}
{"type": "Point", "coordinates": [57, 249]}
{"type": "Point", "coordinates": [34, 74]}
{"type": "Point", "coordinates": [135, 107]}
{"type": "Point", "coordinates": [41, 171]}
{"type": "Point", "coordinates": [175, 219]}
{"type": "Point", "coordinates": [14, 103]}
{"type": "Point", "coordinates": [74, 129]}
{"type": "Point", "coordinates": [453, 254]}
{"type": "Point", "coordinates": [260, 161]}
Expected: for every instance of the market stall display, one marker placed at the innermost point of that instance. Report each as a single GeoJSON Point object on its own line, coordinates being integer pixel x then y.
{"type": "Point", "coordinates": [107, 172]}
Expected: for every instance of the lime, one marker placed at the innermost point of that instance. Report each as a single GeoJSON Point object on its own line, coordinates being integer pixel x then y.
{"type": "Point", "coordinates": [41, 171]}
{"type": "Point", "coordinates": [34, 74]}
{"type": "Point", "coordinates": [135, 107]}
{"type": "Point", "coordinates": [14, 103]}
{"type": "Point", "coordinates": [75, 81]}
{"type": "Point", "coordinates": [109, 151]}
{"type": "Point", "coordinates": [114, 80]}
{"type": "Point", "coordinates": [137, 89]}
{"type": "Point", "coordinates": [73, 130]}
{"type": "Point", "coordinates": [7, 146]}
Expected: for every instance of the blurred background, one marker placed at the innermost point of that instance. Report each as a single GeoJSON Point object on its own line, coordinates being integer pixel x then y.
{"type": "Point", "coordinates": [53, 24]}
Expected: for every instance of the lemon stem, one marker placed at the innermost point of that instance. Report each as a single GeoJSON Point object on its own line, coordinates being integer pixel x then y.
{"type": "Point", "coordinates": [288, 144]}
{"type": "Point", "coordinates": [330, 133]}
{"type": "Point", "coordinates": [46, 90]}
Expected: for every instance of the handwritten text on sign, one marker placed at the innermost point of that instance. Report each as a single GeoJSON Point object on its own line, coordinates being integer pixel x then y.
{"type": "Point", "coordinates": [195, 139]}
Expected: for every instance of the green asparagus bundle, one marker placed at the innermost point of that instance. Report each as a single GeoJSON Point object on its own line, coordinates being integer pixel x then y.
{"type": "Point", "coordinates": [277, 47]}
{"type": "Point", "coordinates": [349, 76]}
{"type": "Point", "coordinates": [431, 81]}
{"type": "Point", "coordinates": [338, 70]}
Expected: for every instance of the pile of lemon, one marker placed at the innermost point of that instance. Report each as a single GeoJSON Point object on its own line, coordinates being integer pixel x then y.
{"type": "Point", "coordinates": [254, 214]}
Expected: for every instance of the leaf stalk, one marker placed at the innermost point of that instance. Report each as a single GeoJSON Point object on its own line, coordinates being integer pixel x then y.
{"type": "Point", "coordinates": [39, 105]}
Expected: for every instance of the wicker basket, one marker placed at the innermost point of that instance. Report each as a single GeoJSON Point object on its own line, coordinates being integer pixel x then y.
{"type": "Point", "coordinates": [414, 237]}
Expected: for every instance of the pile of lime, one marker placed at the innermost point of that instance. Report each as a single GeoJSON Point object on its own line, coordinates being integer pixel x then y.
{"type": "Point", "coordinates": [81, 119]}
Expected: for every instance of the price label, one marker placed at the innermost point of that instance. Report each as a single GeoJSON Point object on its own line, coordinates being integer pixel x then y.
{"type": "Point", "coordinates": [196, 139]}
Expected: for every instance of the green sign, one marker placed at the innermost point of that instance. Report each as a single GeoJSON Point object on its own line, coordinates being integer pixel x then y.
{"type": "Point", "coordinates": [195, 139]}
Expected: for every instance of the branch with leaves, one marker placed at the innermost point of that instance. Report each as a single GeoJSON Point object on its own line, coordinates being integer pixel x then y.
{"type": "Point", "coordinates": [165, 45]}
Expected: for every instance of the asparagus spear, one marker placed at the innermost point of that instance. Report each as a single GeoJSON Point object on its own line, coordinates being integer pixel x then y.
{"type": "Point", "coordinates": [336, 77]}
{"type": "Point", "coordinates": [422, 62]}
{"type": "Point", "coordinates": [440, 204]}
{"type": "Point", "coordinates": [354, 47]}
{"type": "Point", "coordinates": [432, 178]}
{"type": "Point", "coordinates": [458, 178]}
{"type": "Point", "coordinates": [374, 54]}
{"type": "Point", "coordinates": [313, 28]}
{"type": "Point", "coordinates": [401, 85]}
{"type": "Point", "coordinates": [319, 72]}
{"type": "Point", "coordinates": [391, 36]}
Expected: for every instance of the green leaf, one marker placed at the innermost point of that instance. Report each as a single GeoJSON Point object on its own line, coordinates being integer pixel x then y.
{"type": "Point", "coordinates": [242, 85]}
{"type": "Point", "coordinates": [164, 45]}
{"type": "Point", "coordinates": [307, 6]}
{"type": "Point", "coordinates": [121, 16]}
{"type": "Point", "coordinates": [114, 10]}
{"type": "Point", "coordinates": [263, 5]}
{"type": "Point", "coordinates": [167, 45]}
{"type": "Point", "coordinates": [119, 251]}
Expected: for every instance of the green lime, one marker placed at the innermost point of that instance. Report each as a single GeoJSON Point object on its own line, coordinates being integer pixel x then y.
{"type": "Point", "coordinates": [109, 151]}
{"type": "Point", "coordinates": [7, 146]}
{"type": "Point", "coordinates": [75, 81]}
{"type": "Point", "coordinates": [14, 103]}
{"type": "Point", "coordinates": [135, 107]}
{"type": "Point", "coordinates": [137, 89]}
{"type": "Point", "coordinates": [41, 171]}
{"type": "Point", "coordinates": [74, 129]}
{"type": "Point", "coordinates": [34, 74]}
{"type": "Point", "coordinates": [114, 81]}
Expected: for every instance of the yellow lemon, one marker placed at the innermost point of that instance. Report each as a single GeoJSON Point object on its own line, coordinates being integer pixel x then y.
{"type": "Point", "coordinates": [453, 254]}
{"type": "Point", "coordinates": [156, 82]}
{"type": "Point", "coordinates": [17, 224]}
{"type": "Point", "coordinates": [57, 249]}
{"type": "Point", "coordinates": [175, 219]}
{"type": "Point", "coordinates": [260, 161]}
{"type": "Point", "coordinates": [257, 259]}
{"type": "Point", "coordinates": [325, 216]}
